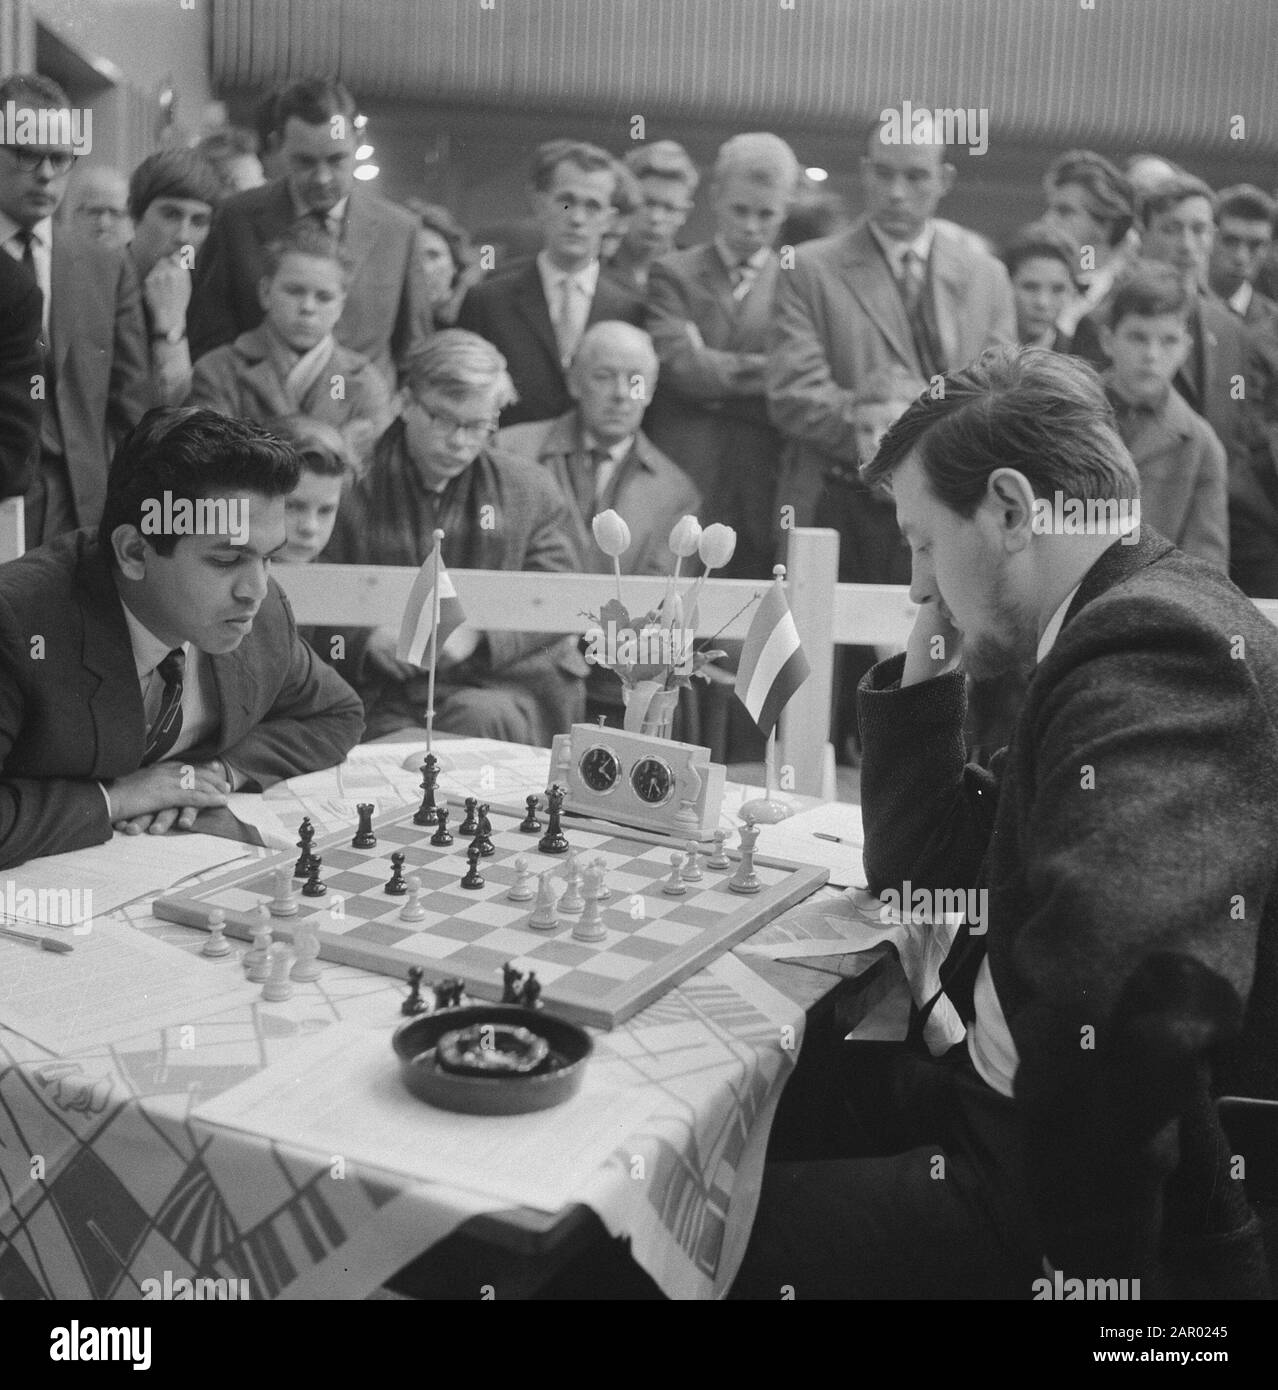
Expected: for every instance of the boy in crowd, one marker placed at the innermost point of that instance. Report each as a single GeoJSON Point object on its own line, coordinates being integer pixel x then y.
{"type": "Point", "coordinates": [291, 364]}
{"type": "Point", "coordinates": [149, 669]}
{"type": "Point", "coordinates": [328, 466]}
{"type": "Point", "coordinates": [172, 195]}
{"type": "Point", "coordinates": [1040, 260]}
{"type": "Point", "coordinates": [1184, 488]}
{"type": "Point", "coordinates": [667, 182]}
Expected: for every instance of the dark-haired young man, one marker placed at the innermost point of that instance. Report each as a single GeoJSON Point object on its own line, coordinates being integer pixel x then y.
{"type": "Point", "coordinates": [387, 301]}
{"type": "Point", "coordinates": [535, 314]}
{"type": "Point", "coordinates": [1135, 807]}
{"type": "Point", "coordinates": [1040, 261]}
{"type": "Point", "coordinates": [150, 668]}
{"type": "Point", "coordinates": [1244, 233]}
{"type": "Point", "coordinates": [172, 195]}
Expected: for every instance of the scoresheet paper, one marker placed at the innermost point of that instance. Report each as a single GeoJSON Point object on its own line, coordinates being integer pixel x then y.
{"type": "Point", "coordinates": [340, 1093]}
{"type": "Point", "coordinates": [115, 983]}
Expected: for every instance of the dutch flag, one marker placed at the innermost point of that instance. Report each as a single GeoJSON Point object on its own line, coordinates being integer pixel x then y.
{"type": "Point", "coordinates": [427, 606]}
{"type": "Point", "coordinates": [772, 665]}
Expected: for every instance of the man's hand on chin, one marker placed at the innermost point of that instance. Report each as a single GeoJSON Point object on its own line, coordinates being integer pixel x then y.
{"type": "Point", "coordinates": [935, 646]}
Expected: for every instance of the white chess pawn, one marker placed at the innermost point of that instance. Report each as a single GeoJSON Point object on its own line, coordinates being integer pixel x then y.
{"type": "Point", "coordinates": [675, 885]}
{"type": "Point", "coordinates": [571, 900]}
{"type": "Point", "coordinates": [306, 967]}
{"type": "Point", "coordinates": [544, 917]}
{"type": "Point", "coordinates": [604, 891]}
{"type": "Point", "coordinates": [217, 944]}
{"type": "Point", "coordinates": [255, 959]}
{"type": "Point", "coordinates": [278, 986]}
{"type": "Point", "coordinates": [414, 909]}
{"type": "Point", "coordinates": [521, 890]}
{"type": "Point", "coordinates": [284, 903]}
{"type": "Point", "coordinates": [719, 860]}
{"type": "Point", "coordinates": [692, 865]}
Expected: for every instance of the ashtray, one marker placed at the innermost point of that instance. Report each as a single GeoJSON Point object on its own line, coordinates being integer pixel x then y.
{"type": "Point", "coordinates": [449, 1059]}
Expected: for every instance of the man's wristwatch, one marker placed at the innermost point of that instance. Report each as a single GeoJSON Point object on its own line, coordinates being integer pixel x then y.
{"type": "Point", "coordinates": [173, 337]}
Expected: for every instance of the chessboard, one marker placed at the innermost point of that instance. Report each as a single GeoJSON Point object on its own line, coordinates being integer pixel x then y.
{"type": "Point", "coordinates": [651, 940]}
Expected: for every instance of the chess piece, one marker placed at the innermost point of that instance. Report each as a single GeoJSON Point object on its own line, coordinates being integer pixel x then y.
{"type": "Point", "coordinates": [484, 831]}
{"type": "Point", "coordinates": [471, 823]}
{"type": "Point", "coordinates": [216, 945]}
{"type": "Point", "coordinates": [441, 837]}
{"type": "Point", "coordinates": [745, 880]}
{"type": "Point", "coordinates": [591, 927]}
{"type": "Point", "coordinates": [604, 891]}
{"type": "Point", "coordinates": [572, 900]}
{"type": "Point", "coordinates": [364, 837]}
{"type": "Point", "coordinates": [278, 986]}
{"type": "Point", "coordinates": [430, 776]}
{"type": "Point", "coordinates": [521, 890]}
{"type": "Point", "coordinates": [530, 825]}
{"type": "Point", "coordinates": [313, 888]}
{"type": "Point", "coordinates": [719, 860]}
{"type": "Point", "coordinates": [530, 995]}
{"type": "Point", "coordinates": [472, 877]}
{"type": "Point", "coordinates": [692, 864]}
{"type": "Point", "coordinates": [284, 903]}
{"type": "Point", "coordinates": [306, 946]}
{"type": "Point", "coordinates": [414, 1003]}
{"type": "Point", "coordinates": [511, 979]}
{"type": "Point", "coordinates": [554, 840]}
{"type": "Point", "coordinates": [306, 837]}
{"type": "Point", "coordinates": [254, 960]}
{"type": "Point", "coordinates": [396, 885]}
{"type": "Point", "coordinates": [545, 917]}
{"type": "Point", "coordinates": [413, 910]}
{"type": "Point", "coordinates": [686, 818]}
{"type": "Point", "coordinates": [675, 885]}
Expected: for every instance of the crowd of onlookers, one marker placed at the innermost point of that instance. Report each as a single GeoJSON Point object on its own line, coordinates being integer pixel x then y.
{"type": "Point", "coordinates": [744, 379]}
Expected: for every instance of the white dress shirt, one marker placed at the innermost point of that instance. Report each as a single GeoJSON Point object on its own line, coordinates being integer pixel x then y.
{"type": "Point", "coordinates": [585, 282]}
{"type": "Point", "coordinates": [1240, 300]}
{"type": "Point", "coordinates": [895, 250]}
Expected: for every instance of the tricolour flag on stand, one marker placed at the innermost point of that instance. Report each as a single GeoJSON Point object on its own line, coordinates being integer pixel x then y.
{"type": "Point", "coordinates": [772, 665]}
{"type": "Point", "coordinates": [425, 603]}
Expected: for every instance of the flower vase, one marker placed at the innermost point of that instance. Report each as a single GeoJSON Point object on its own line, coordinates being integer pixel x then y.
{"type": "Point", "coordinates": [650, 712]}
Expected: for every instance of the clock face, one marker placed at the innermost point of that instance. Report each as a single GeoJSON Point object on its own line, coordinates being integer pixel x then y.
{"type": "Point", "coordinates": [653, 781]}
{"type": "Point", "coordinates": [599, 769]}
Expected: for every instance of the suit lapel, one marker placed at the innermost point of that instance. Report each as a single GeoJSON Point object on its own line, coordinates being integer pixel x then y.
{"type": "Point", "coordinates": [67, 295]}
{"type": "Point", "coordinates": [236, 687]}
{"type": "Point", "coordinates": [949, 291]}
{"type": "Point", "coordinates": [529, 302]}
{"type": "Point", "coordinates": [871, 282]}
{"type": "Point", "coordinates": [110, 689]}
{"type": "Point", "coordinates": [360, 233]}
{"type": "Point", "coordinates": [754, 312]}
{"type": "Point", "coordinates": [1117, 563]}
{"type": "Point", "coordinates": [275, 216]}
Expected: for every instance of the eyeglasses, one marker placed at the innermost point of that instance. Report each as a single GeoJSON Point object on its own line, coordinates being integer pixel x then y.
{"type": "Point", "coordinates": [29, 160]}
{"type": "Point", "coordinates": [478, 430]}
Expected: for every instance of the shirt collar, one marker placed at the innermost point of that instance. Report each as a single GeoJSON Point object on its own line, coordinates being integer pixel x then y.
{"type": "Point", "coordinates": [337, 213]}
{"type": "Point", "coordinates": [41, 233]}
{"type": "Point", "coordinates": [1050, 633]}
{"type": "Point", "coordinates": [894, 250]}
{"type": "Point", "coordinates": [756, 261]}
{"type": "Point", "coordinates": [616, 452]}
{"type": "Point", "coordinates": [148, 650]}
{"type": "Point", "coordinates": [587, 277]}
{"type": "Point", "coordinates": [1240, 300]}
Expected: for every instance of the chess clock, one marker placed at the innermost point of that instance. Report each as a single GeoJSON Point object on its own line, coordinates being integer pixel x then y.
{"type": "Point", "coordinates": [636, 779]}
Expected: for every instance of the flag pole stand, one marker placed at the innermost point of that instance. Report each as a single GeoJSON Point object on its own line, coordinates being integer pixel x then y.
{"type": "Point", "coordinates": [769, 808]}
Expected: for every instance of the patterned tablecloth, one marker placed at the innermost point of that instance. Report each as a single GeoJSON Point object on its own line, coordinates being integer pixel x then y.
{"type": "Point", "coordinates": [114, 1188]}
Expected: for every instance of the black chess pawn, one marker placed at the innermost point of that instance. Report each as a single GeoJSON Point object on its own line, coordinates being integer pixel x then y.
{"type": "Point", "coordinates": [554, 841]}
{"type": "Point", "coordinates": [530, 825]}
{"type": "Point", "coordinates": [530, 993]}
{"type": "Point", "coordinates": [364, 837]}
{"type": "Point", "coordinates": [397, 884]}
{"type": "Point", "coordinates": [510, 982]}
{"type": "Point", "coordinates": [430, 777]}
{"type": "Point", "coordinates": [472, 878]}
{"type": "Point", "coordinates": [484, 831]}
{"type": "Point", "coordinates": [313, 888]}
{"type": "Point", "coordinates": [414, 1004]}
{"type": "Point", "coordinates": [441, 837]}
{"type": "Point", "coordinates": [471, 823]}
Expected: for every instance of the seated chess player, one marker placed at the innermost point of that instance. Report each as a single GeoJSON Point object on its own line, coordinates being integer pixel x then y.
{"type": "Point", "coordinates": [601, 459]}
{"type": "Point", "coordinates": [151, 667]}
{"type": "Point", "coordinates": [1134, 813]}
{"type": "Point", "coordinates": [436, 467]}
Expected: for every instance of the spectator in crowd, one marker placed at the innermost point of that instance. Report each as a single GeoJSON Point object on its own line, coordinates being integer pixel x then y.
{"type": "Point", "coordinates": [536, 312]}
{"type": "Point", "coordinates": [21, 357]}
{"type": "Point", "coordinates": [172, 195]}
{"type": "Point", "coordinates": [98, 204]}
{"type": "Point", "coordinates": [898, 288]}
{"type": "Point", "coordinates": [447, 259]}
{"type": "Point", "coordinates": [233, 153]}
{"type": "Point", "coordinates": [1094, 206]}
{"type": "Point", "coordinates": [1146, 171]}
{"type": "Point", "coordinates": [1184, 485]}
{"type": "Point", "coordinates": [667, 184]}
{"type": "Point", "coordinates": [95, 371]}
{"type": "Point", "coordinates": [266, 127]}
{"type": "Point", "coordinates": [600, 457]}
{"type": "Point", "coordinates": [291, 364]}
{"type": "Point", "coordinates": [812, 216]}
{"type": "Point", "coordinates": [1244, 234]}
{"type": "Point", "coordinates": [435, 467]}
{"type": "Point", "coordinates": [385, 309]}
{"type": "Point", "coordinates": [626, 198]}
{"type": "Point", "coordinates": [328, 467]}
{"type": "Point", "coordinates": [710, 311]}
{"type": "Point", "coordinates": [1040, 261]}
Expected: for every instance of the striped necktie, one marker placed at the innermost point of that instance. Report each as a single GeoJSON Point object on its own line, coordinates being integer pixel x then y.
{"type": "Point", "coordinates": [168, 723]}
{"type": "Point", "coordinates": [743, 277]}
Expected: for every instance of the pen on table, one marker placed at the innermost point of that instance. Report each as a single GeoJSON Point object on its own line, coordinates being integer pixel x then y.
{"type": "Point", "coordinates": [45, 943]}
{"type": "Point", "coordinates": [833, 839]}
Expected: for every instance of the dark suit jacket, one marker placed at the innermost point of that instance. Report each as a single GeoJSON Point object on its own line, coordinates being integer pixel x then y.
{"type": "Point", "coordinates": [19, 361]}
{"type": "Point", "coordinates": [510, 310]}
{"type": "Point", "coordinates": [647, 490]}
{"type": "Point", "coordinates": [1086, 879]}
{"type": "Point", "coordinates": [75, 717]}
{"type": "Point", "coordinates": [102, 363]}
{"type": "Point", "coordinates": [386, 304]}
{"type": "Point", "coordinates": [839, 316]}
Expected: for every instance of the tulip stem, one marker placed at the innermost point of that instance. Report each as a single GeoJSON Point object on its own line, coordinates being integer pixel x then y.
{"type": "Point", "coordinates": [616, 567]}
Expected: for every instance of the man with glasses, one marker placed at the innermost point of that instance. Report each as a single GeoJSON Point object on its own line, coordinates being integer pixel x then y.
{"type": "Point", "coordinates": [667, 181]}
{"type": "Point", "coordinates": [100, 207]}
{"type": "Point", "coordinates": [436, 467]}
{"type": "Point", "coordinates": [536, 313]}
{"type": "Point", "coordinates": [95, 370]}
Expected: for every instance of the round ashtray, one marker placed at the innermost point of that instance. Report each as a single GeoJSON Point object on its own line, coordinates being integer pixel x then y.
{"type": "Point", "coordinates": [442, 1059]}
